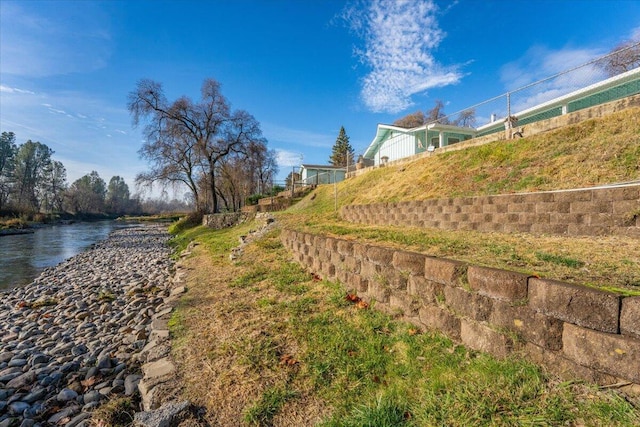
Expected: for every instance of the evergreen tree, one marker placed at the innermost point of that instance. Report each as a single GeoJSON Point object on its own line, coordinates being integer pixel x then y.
{"type": "Point", "coordinates": [342, 150]}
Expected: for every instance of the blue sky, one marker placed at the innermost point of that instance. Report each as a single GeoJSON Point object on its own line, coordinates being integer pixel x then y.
{"type": "Point", "coordinates": [302, 68]}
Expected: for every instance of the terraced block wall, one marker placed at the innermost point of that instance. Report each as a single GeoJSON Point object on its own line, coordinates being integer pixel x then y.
{"type": "Point", "coordinates": [591, 211]}
{"type": "Point", "coordinates": [573, 330]}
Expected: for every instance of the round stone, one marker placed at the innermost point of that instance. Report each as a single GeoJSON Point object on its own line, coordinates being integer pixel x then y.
{"type": "Point", "coordinates": [66, 395]}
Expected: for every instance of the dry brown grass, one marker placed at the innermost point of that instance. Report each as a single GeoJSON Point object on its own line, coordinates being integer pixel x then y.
{"type": "Point", "coordinates": [224, 361]}
{"type": "Point", "coordinates": [598, 151]}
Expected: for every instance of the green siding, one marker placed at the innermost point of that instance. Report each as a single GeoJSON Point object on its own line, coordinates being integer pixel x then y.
{"type": "Point", "coordinates": [543, 115]}
{"type": "Point", "coordinates": [618, 92]}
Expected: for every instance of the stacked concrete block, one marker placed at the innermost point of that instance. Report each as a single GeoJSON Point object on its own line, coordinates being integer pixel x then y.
{"type": "Point", "coordinates": [584, 212]}
{"type": "Point", "coordinates": [573, 330]}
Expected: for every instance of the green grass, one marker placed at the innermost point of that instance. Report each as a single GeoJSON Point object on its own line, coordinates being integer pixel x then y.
{"type": "Point", "coordinates": [388, 410]}
{"type": "Point", "coordinates": [559, 259]}
{"type": "Point", "coordinates": [375, 373]}
{"type": "Point", "coordinates": [367, 367]}
{"type": "Point", "coordinates": [115, 413]}
{"type": "Point", "coordinates": [261, 413]}
{"type": "Point", "coordinates": [257, 274]}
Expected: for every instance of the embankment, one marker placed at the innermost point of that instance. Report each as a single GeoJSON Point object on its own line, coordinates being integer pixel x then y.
{"type": "Point", "coordinates": [72, 338]}
{"type": "Point", "coordinates": [573, 330]}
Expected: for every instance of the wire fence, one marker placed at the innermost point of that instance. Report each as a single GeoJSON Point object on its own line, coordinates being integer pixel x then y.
{"type": "Point", "coordinates": [490, 115]}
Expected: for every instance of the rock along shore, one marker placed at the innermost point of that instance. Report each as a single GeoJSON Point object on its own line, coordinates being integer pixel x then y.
{"type": "Point", "coordinates": [74, 337]}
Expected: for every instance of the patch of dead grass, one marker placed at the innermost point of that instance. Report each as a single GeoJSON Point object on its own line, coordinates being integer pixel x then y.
{"type": "Point", "coordinates": [230, 346]}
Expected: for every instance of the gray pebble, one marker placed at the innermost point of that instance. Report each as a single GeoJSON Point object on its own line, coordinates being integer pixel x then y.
{"type": "Point", "coordinates": [47, 353]}
{"type": "Point", "coordinates": [66, 395]}
{"type": "Point", "coordinates": [92, 396]}
{"type": "Point", "coordinates": [18, 407]}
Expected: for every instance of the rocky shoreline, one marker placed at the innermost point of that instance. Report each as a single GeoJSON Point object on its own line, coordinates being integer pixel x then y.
{"type": "Point", "coordinates": [78, 335]}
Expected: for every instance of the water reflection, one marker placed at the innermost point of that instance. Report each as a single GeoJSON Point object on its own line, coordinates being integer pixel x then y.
{"type": "Point", "coordinates": [24, 256]}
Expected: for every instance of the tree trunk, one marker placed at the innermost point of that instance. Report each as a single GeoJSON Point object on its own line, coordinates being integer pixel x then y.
{"type": "Point", "coordinates": [214, 193]}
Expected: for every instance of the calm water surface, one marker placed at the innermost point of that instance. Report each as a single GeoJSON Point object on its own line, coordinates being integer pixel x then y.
{"type": "Point", "coordinates": [24, 256]}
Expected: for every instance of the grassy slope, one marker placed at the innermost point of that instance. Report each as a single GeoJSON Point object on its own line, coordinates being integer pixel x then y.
{"type": "Point", "coordinates": [261, 342]}
{"type": "Point", "coordinates": [598, 151]}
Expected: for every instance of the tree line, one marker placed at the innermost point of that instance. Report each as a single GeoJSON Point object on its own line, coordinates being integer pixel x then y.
{"type": "Point", "coordinates": [218, 153]}
{"type": "Point", "coordinates": [32, 182]}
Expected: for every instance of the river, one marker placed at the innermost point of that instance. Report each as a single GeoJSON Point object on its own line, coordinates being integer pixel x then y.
{"type": "Point", "coordinates": [24, 256]}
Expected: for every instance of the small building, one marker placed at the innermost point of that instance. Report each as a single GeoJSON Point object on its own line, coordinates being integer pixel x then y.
{"type": "Point", "coordinates": [321, 174]}
{"type": "Point", "coordinates": [393, 143]}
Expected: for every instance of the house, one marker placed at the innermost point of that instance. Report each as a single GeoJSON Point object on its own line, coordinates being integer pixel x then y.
{"type": "Point", "coordinates": [321, 174]}
{"type": "Point", "coordinates": [393, 143]}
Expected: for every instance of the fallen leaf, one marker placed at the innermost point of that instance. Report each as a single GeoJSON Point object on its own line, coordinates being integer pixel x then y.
{"type": "Point", "coordinates": [413, 331]}
{"type": "Point", "coordinates": [362, 305]}
{"type": "Point", "coordinates": [352, 298]}
{"type": "Point", "coordinates": [288, 360]}
{"type": "Point", "coordinates": [89, 381]}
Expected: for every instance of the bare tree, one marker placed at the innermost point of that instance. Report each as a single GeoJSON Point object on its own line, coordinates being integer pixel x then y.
{"type": "Point", "coordinates": [466, 118]}
{"type": "Point", "coordinates": [437, 114]}
{"type": "Point", "coordinates": [412, 120]}
{"type": "Point", "coordinates": [622, 58]}
{"type": "Point", "coordinates": [173, 160]}
{"type": "Point", "coordinates": [187, 141]}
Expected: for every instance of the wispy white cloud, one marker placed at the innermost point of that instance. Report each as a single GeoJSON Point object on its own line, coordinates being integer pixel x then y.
{"type": "Point", "coordinates": [285, 135]}
{"type": "Point", "coordinates": [39, 40]}
{"type": "Point", "coordinates": [539, 62]}
{"type": "Point", "coordinates": [568, 68]}
{"type": "Point", "coordinates": [8, 89]}
{"type": "Point", "coordinates": [399, 37]}
{"type": "Point", "coordinates": [286, 158]}
{"type": "Point", "coordinates": [75, 126]}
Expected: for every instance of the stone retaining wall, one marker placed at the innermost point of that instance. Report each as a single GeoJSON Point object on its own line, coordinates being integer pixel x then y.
{"type": "Point", "coordinates": [224, 220]}
{"type": "Point", "coordinates": [587, 212]}
{"type": "Point", "coordinates": [572, 330]}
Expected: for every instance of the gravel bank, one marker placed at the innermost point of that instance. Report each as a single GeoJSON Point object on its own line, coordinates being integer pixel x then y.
{"type": "Point", "coordinates": [71, 339]}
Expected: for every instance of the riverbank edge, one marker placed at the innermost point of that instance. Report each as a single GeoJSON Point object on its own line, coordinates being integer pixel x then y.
{"type": "Point", "coordinates": [139, 362]}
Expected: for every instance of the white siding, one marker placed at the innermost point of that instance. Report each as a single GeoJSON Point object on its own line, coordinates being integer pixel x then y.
{"type": "Point", "coordinates": [397, 147]}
